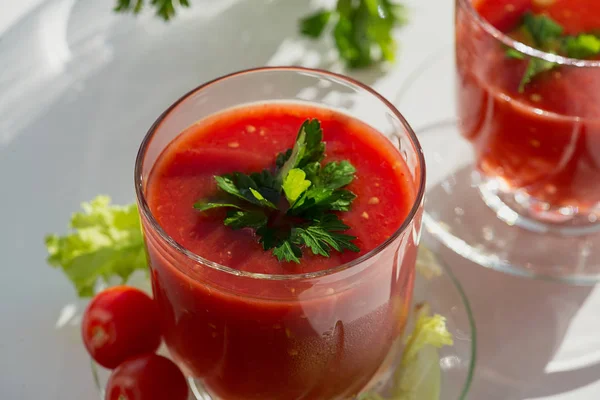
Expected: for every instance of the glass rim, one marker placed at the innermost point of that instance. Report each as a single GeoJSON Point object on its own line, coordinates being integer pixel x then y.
{"type": "Point", "coordinates": [520, 46]}
{"type": "Point", "coordinates": [146, 212]}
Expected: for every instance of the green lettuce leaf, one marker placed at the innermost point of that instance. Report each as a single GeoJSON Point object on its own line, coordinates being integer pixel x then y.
{"type": "Point", "coordinates": [418, 377]}
{"type": "Point", "coordinates": [105, 241]}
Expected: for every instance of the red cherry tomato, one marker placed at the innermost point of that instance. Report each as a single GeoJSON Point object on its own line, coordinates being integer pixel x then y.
{"type": "Point", "coordinates": [119, 323]}
{"type": "Point", "coordinates": [147, 377]}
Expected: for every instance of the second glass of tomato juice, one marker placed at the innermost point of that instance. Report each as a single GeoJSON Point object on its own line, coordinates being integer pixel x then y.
{"type": "Point", "coordinates": [529, 102]}
{"type": "Point", "coordinates": [281, 209]}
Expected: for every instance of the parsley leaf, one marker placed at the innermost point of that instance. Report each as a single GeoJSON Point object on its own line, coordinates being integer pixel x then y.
{"type": "Point", "coordinates": [320, 236]}
{"type": "Point", "coordinates": [315, 148]}
{"type": "Point", "coordinates": [282, 158]}
{"type": "Point", "coordinates": [288, 251]}
{"type": "Point", "coordinates": [256, 188]}
{"type": "Point", "coordinates": [164, 8]}
{"type": "Point", "coordinates": [318, 200]}
{"type": "Point", "coordinates": [267, 237]}
{"type": "Point", "coordinates": [362, 29]}
{"type": "Point", "coordinates": [258, 197]}
{"type": "Point", "coordinates": [312, 170]}
{"type": "Point", "coordinates": [267, 185]}
{"type": "Point", "coordinates": [333, 176]}
{"type": "Point", "coordinates": [336, 175]}
{"type": "Point", "coordinates": [279, 242]}
{"type": "Point", "coordinates": [308, 148]}
{"type": "Point", "coordinates": [534, 67]}
{"type": "Point", "coordinates": [341, 200]}
{"type": "Point", "coordinates": [325, 194]}
{"type": "Point", "coordinates": [512, 53]}
{"type": "Point", "coordinates": [105, 241]}
{"type": "Point", "coordinates": [202, 206]}
{"type": "Point", "coordinates": [227, 184]}
{"type": "Point", "coordinates": [582, 46]}
{"type": "Point", "coordinates": [323, 235]}
{"type": "Point", "coordinates": [238, 219]}
{"type": "Point", "coordinates": [312, 193]}
{"type": "Point", "coordinates": [546, 34]}
{"type": "Point", "coordinates": [295, 184]}
{"type": "Point", "coordinates": [542, 30]}
{"type": "Point", "coordinates": [313, 25]}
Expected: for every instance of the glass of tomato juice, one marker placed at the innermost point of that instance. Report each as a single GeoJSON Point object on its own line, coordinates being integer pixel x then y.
{"type": "Point", "coordinates": [241, 324]}
{"type": "Point", "coordinates": [536, 138]}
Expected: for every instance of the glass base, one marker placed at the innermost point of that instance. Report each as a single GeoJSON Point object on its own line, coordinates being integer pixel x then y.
{"type": "Point", "coordinates": [199, 392]}
{"type": "Point", "coordinates": [519, 209]}
{"type": "Point", "coordinates": [380, 384]}
{"type": "Point", "coordinates": [504, 231]}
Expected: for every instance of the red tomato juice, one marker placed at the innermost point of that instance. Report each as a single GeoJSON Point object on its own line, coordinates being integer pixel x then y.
{"type": "Point", "coordinates": [545, 140]}
{"type": "Point", "coordinates": [248, 338]}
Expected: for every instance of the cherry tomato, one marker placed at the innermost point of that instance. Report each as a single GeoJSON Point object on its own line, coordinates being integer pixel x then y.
{"type": "Point", "coordinates": [147, 377]}
{"type": "Point", "coordinates": [119, 323]}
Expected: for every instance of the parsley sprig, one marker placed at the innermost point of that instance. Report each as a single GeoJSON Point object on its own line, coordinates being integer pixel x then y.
{"type": "Point", "coordinates": [362, 29]}
{"type": "Point", "coordinates": [292, 206]}
{"type": "Point", "coordinates": [542, 32]}
{"type": "Point", "coordinates": [164, 8]}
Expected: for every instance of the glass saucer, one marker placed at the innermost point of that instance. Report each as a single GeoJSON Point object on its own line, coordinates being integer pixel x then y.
{"type": "Point", "coordinates": [477, 224]}
{"type": "Point", "coordinates": [451, 366]}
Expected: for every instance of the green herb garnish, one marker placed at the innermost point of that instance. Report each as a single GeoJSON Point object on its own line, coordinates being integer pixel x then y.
{"type": "Point", "coordinates": [292, 207]}
{"type": "Point", "coordinates": [542, 32]}
{"type": "Point", "coordinates": [541, 29]}
{"type": "Point", "coordinates": [105, 241]}
{"type": "Point", "coordinates": [164, 8]}
{"type": "Point", "coordinates": [582, 46]}
{"type": "Point", "coordinates": [362, 29]}
{"type": "Point", "coordinates": [534, 67]}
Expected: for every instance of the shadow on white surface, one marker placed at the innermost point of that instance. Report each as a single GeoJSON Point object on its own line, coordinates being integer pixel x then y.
{"type": "Point", "coordinates": [457, 214]}
{"type": "Point", "coordinates": [521, 322]}
{"type": "Point", "coordinates": [521, 325]}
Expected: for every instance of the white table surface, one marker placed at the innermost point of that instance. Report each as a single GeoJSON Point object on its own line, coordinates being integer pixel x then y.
{"type": "Point", "coordinates": [536, 340]}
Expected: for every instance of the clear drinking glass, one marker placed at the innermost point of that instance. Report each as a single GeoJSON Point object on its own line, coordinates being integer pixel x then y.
{"type": "Point", "coordinates": [242, 335]}
{"type": "Point", "coordinates": [537, 147]}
